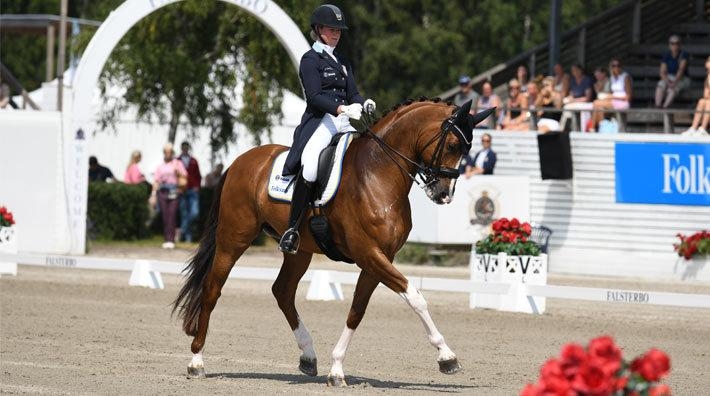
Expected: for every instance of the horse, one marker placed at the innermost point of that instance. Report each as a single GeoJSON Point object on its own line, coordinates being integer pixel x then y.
{"type": "Point", "coordinates": [418, 142]}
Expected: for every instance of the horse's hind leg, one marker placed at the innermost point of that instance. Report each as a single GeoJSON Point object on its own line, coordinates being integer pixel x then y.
{"type": "Point", "coordinates": [284, 289]}
{"type": "Point", "coordinates": [230, 244]}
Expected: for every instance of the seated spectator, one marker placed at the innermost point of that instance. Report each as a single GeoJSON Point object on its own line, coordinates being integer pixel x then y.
{"type": "Point", "coordinates": [548, 104]}
{"type": "Point", "coordinates": [699, 128]}
{"type": "Point", "coordinates": [212, 178]}
{"type": "Point", "coordinates": [483, 162]}
{"type": "Point", "coordinates": [516, 113]}
{"type": "Point", "coordinates": [618, 99]}
{"type": "Point", "coordinates": [488, 100]}
{"type": "Point", "coordinates": [466, 93]}
{"type": "Point", "coordinates": [532, 93]}
{"type": "Point", "coordinates": [673, 72]}
{"type": "Point", "coordinates": [561, 80]}
{"type": "Point", "coordinates": [581, 91]}
{"type": "Point", "coordinates": [601, 83]}
{"type": "Point", "coordinates": [133, 175]}
{"type": "Point", "coordinates": [522, 77]}
{"type": "Point", "coordinates": [99, 172]}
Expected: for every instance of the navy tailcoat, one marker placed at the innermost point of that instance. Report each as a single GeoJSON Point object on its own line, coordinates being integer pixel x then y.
{"type": "Point", "coordinates": [327, 84]}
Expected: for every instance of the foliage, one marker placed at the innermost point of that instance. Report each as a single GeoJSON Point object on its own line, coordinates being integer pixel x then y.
{"type": "Point", "coordinates": [181, 63]}
{"type": "Point", "coordinates": [117, 210]}
{"type": "Point", "coordinates": [696, 244]}
{"type": "Point", "coordinates": [6, 218]}
{"type": "Point", "coordinates": [509, 236]}
{"type": "Point", "coordinates": [413, 253]}
{"type": "Point", "coordinates": [601, 370]}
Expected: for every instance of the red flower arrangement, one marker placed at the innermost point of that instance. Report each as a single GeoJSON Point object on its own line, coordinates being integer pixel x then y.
{"type": "Point", "coordinates": [698, 243]}
{"type": "Point", "coordinates": [6, 219]}
{"type": "Point", "coordinates": [600, 370]}
{"type": "Point", "coordinates": [509, 236]}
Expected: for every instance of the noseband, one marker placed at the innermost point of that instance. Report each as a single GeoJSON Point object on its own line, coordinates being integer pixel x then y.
{"type": "Point", "coordinates": [429, 173]}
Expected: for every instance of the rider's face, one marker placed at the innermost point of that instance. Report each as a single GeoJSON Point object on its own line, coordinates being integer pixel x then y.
{"type": "Point", "coordinates": [330, 35]}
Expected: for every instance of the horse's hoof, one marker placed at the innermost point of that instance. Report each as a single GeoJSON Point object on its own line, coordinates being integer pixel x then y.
{"type": "Point", "coordinates": [195, 372]}
{"type": "Point", "coordinates": [308, 366]}
{"type": "Point", "coordinates": [450, 366]}
{"type": "Point", "coordinates": [336, 381]}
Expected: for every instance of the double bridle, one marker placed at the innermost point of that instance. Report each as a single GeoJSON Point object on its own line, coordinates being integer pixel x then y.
{"type": "Point", "coordinates": [433, 171]}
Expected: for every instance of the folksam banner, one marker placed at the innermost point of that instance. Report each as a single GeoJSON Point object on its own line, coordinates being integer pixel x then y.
{"type": "Point", "coordinates": [663, 173]}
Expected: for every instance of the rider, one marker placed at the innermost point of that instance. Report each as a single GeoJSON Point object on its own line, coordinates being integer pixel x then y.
{"type": "Point", "coordinates": [332, 99]}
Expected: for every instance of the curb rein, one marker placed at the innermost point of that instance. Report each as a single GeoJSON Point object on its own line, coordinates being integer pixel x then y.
{"type": "Point", "coordinates": [428, 173]}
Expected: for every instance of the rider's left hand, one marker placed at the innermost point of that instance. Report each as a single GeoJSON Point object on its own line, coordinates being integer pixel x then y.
{"type": "Point", "coordinates": [370, 106]}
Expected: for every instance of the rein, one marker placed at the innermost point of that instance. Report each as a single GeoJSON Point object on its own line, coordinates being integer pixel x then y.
{"type": "Point", "coordinates": [428, 173]}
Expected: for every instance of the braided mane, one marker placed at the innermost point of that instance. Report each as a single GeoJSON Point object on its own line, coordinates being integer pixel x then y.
{"type": "Point", "coordinates": [400, 106]}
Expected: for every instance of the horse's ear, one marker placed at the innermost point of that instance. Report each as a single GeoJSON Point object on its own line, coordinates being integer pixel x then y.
{"type": "Point", "coordinates": [475, 119]}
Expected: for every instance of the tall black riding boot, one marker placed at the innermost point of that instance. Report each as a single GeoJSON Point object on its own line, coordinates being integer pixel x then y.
{"type": "Point", "coordinates": [302, 192]}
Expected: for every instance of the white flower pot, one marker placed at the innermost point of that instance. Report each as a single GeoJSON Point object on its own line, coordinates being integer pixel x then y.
{"type": "Point", "coordinates": [514, 270]}
{"type": "Point", "coordinates": [8, 244]}
{"type": "Point", "coordinates": [695, 269]}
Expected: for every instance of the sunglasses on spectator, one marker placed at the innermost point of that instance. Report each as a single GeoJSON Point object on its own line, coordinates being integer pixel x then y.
{"type": "Point", "coordinates": [486, 140]}
{"type": "Point", "coordinates": [514, 87]}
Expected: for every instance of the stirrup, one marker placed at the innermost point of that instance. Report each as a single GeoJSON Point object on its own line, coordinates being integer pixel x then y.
{"type": "Point", "coordinates": [290, 241]}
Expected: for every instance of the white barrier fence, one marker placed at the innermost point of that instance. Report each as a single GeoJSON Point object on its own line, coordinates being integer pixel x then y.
{"type": "Point", "coordinates": [326, 284]}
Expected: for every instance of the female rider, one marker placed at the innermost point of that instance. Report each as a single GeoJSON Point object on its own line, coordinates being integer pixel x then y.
{"type": "Point", "coordinates": [332, 99]}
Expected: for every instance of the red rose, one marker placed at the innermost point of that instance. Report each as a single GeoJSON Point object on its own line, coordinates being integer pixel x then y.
{"type": "Point", "coordinates": [571, 357]}
{"type": "Point", "coordinates": [514, 223]}
{"type": "Point", "coordinates": [652, 366]}
{"type": "Point", "coordinates": [553, 380]}
{"type": "Point", "coordinates": [504, 224]}
{"type": "Point", "coordinates": [605, 349]}
{"type": "Point", "coordinates": [527, 229]}
{"type": "Point", "coordinates": [3, 210]}
{"type": "Point", "coordinates": [523, 238]}
{"type": "Point", "coordinates": [660, 390]}
{"type": "Point", "coordinates": [531, 390]}
{"type": "Point", "coordinates": [496, 226]}
{"type": "Point", "coordinates": [552, 368]}
{"type": "Point", "coordinates": [592, 379]}
{"type": "Point", "coordinates": [621, 383]}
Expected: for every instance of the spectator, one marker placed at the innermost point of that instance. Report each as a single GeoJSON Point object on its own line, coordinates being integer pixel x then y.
{"type": "Point", "coordinates": [483, 162]}
{"type": "Point", "coordinates": [516, 115]}
{"type": "Point", "coordinates": [703, 105]}
{"type": "Point", "coordinates": [673, 72]}
{"type": "Point", "coordinates": [165, 191]}
{"type": "Point", "coordinates": [522, 77]}
{"type": "Point", "coordinates": [547, 105]}
{"type": "Point", "coordinates": [618, 99]}
{"type": "Point", "coordinates": [561, 80]}
{"type": "Point", "coordinates": [466, 93]}
{"type": "Point", "coordinates": [133, 175]}
{"type": "Point", "coordinates": [488, 100]}
{"type": "Point", "coordinates": [601, 83]}
{"type": "Point", "coordinates": [532, 93]}
{"type": "Point", "coordinates": [99, 173]}
{"type": "Point", "coordinates": [212, 178]}
{"type": "Point", "coordinates": [190, 198]}
{"type": "Point", "coordinates": [581, 91]}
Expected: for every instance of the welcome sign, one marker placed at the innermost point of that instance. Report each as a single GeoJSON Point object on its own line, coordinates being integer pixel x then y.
{"type": "Point", "coordinates": [663, 173]}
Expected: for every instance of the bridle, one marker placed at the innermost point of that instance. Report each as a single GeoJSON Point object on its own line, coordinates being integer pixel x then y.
{"type": "Point", "coordinates": [428, 173]}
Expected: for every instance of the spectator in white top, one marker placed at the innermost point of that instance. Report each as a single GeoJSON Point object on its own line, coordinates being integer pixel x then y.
{"type": "Point", "coordinates": [620, 95]}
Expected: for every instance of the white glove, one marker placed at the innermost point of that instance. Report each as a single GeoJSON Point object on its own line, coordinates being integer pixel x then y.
{"type": "Point", "coordinates": [353, 111]}
{"type": "Point", "coordinates": [370, 106]}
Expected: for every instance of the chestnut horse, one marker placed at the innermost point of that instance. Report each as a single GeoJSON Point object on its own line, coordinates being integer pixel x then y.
{"type": "Point", "coordinates": [370, 219]}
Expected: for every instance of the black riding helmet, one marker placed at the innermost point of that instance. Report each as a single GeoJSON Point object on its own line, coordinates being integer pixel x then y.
{"type": "Point", "coordinates": [330, 16]}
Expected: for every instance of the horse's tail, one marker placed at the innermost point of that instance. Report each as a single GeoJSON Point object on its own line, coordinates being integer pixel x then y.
{"type": "Point", "coordinates": [188, 302]}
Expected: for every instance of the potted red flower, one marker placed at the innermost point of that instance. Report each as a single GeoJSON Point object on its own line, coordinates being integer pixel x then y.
{"type": "Point", "coordinates": [8, 243]}
{"type": "Point", "coordinates": [695, 251]}
{"type": "Point", "coordinates": [600, 370]}
{"type": "Point", "coordinates": [507, 255]}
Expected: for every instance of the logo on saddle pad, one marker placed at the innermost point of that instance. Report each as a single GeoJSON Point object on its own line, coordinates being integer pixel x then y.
{"type": "Point", "coordinates": [280, 187]}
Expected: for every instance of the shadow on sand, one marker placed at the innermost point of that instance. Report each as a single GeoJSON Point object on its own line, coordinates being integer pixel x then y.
{"type": "Point", "coordinates": [353, 381]}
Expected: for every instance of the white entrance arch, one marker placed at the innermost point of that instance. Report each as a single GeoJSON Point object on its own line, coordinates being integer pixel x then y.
{"type": "Point", "coordinates": [77, 128]}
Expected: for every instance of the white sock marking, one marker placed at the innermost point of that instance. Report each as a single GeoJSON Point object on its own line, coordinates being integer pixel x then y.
{"type": "Point", "coordinates": [304, 340]}
{"type": "Point", "coordinates": [197, 360]}
{"type": "Point", "coordinates": [336, 370]}
{"type": "Point", "coordinates": [416, 300]}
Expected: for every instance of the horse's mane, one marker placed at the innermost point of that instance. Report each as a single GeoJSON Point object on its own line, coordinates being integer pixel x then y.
{"type": "Point", "coordinates": [404, 106]}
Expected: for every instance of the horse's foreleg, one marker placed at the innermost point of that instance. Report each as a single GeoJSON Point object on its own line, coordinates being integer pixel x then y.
{"type": "Point", "coordinates": [393, 279]}
{"type": "Point", "coordinates": [366, 284]}
{"type": "Point", "coordinates": [284, 289]}
{"type": "Point", "coordinates": [448, 364]}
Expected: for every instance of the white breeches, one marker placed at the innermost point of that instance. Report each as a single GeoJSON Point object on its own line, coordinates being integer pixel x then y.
{"type": "Point", "coordinates": [328, 127]}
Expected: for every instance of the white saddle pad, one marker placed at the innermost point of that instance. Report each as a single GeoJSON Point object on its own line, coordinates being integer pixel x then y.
{"type": "Point", "coordinates": [281, 187]}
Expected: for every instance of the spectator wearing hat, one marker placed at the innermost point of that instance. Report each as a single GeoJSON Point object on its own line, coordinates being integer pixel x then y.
{"type": "Point", "coordinates": [466, 93]}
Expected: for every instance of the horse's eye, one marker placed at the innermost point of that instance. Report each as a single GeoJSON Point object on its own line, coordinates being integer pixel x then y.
{"type": "Point", "coordinates": [454, 147]}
